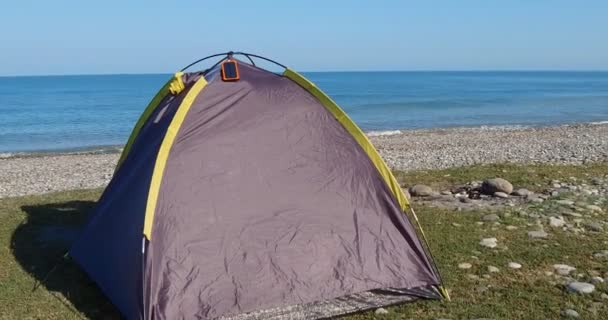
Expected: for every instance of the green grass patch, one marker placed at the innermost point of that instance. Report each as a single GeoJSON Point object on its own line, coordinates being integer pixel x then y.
{"type": "Point", "coordinates": [35, 231]}
{"type": "Point", "coordinates": [533, 177]}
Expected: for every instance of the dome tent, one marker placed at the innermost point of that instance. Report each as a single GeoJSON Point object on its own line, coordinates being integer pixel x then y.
{"type": "Point", "coordinates": [251, 195]}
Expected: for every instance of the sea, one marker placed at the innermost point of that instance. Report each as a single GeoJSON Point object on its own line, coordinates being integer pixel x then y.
{"type": "Point", "coordinates": [97, 112]}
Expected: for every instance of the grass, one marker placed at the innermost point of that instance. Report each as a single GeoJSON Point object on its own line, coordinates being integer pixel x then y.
{"type": "Point", "coordinates": [533, 177]}
{"type": "Point", "coordinates": [36, 230]}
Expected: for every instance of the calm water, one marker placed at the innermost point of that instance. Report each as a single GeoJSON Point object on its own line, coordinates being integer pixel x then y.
{"type": "Point", "coordinates": [66, 112]}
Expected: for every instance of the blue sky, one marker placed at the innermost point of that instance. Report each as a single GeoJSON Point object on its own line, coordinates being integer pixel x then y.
{"type": "Point", "coordinates": [111, 36]}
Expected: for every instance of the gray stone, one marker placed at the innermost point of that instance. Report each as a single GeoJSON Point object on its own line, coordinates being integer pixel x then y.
{"type": "Point", "coordinates": [493, 269]}
{"type": "Point", "coordinates": [446, 192]}
{"type": "Point", "coordinates": [522, 192]}
{"type": "Point", "coordinates": [580, 287]}
{"type": "Point", "coordinates": [604, 296]}
{"type": "Point", "coordinates": [421, 190]}
{"type": "Point", "coordinates": [491, 217]}
{"type": "Point", "coordinates": [381, 311]}
{"type": "Point", "coordinates": [537, 234]}
{"type": "Point", "coordinates": [536, 199]}
{"type": "Point", "coordinates": [466, 200]}
{"type": "Point", "coordinates": [572, 214]}
{"type": "Point", "coordinates": [597, 280]}
{"type": "Point", "coordinates": [489, 242]}
{"type": "Point", "coordinates": [556, 222]}
{"type": "Point", "coordinates": [569, 313]}
{"type": "Point", "coordinates": [501, 195]}
{"type": "Point", "coordinates": [565, 202]}
{"type": "Point", "coordinates": [407, 194]}
{"type": "Point", "coordinates": [514, 265]}
{"type": "Point", "coordinates": [594, 226]}
{"type": "Point", "coordinates": [473, 276]}
{"type": "Point", "coordinates": [465, 265]}
{"type": "Point", "coordinates": [601, 255]}
{"type": "Point", "coordinates": [593, 207]}
{"type": "Point", "coordinates": [490, 186]}
{"type": "Point", "coordinates": [563, 269]}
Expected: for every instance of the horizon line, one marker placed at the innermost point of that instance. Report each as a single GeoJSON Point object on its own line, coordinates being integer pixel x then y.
{"type": "Point", "coordinates": [314, 71]}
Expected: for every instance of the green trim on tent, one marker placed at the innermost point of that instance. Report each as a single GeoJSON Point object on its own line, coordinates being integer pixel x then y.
{"type": "Point", "coordinates": [369, 149]}
{"type": "Point", "coordinates": [163, 153]}
{"type": "Point", "coordinates": [162, 93]}
{"type": "Point", "coordinates": [174, 86]}
{"type": "Point", "coordinates": [354, 131]}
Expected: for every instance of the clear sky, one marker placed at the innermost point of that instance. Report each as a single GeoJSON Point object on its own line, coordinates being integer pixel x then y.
{"type": "Point", "coordinates": [120, 36]}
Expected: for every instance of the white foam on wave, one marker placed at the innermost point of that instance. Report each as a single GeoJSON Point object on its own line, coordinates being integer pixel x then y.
{"type": "Point", "coordinates": [599, 122]}
{"type": "Point", "coordinates": [383, 133]}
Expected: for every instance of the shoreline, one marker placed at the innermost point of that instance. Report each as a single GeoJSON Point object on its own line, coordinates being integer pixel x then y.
{"type": "Point", "coordinates": [371, 134]}
{"type": "Point", "coordinates": [406, 150]}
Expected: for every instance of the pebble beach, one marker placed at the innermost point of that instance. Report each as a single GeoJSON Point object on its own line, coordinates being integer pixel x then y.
{"type": "Point", "coordinates": [26, 174]}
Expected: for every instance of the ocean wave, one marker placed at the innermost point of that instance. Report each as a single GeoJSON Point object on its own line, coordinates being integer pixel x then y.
{"type": "Point", "coordinates": [383, 133]}
{"type": "Point", "coordinates": [599, 122]}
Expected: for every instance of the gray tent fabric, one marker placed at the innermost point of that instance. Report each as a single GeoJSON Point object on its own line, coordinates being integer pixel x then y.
{"type": "Point", "coordinates": [266, 201]}
{"type": "Point", "coordinates": [267, 208]}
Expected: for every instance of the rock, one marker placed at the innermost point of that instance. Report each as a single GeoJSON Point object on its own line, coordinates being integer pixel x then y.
{"type": "Point", "coordinates": [490, 186]}
{"type": "Point", "coordinates": [446, 192]}
{"type": "Point", "coordinates": [604, 296]}
{"type": "Point", "coordinates": [556, 222]}
{"type": "Point", "coordinates": [563, 269]}
{"type": "Point", "coordinates": [501, 195]}
{"type": "Point", "coordinates": [493, 269]}
{"type": "Point", "coordinates": [593, 207]}
{"type": "Point", "coordinates": [464, 265]}
{"type": "Point", "coordinates": [597, 280]}
{"type": "Point", "coordinates": [537, 234]}
{"type": "Point", "coordinates": [473, 276]}
{"type": "Point", "coordinates": [465, 200]}
{"type": "Point", "coordinates": [601, 255]}
{"type": "Point", "coordinates": [381, 311]}
{"type": "Point", "coordinates": [580, 287]}
{"type": "Point", "coordinates": [514, 265]}
{"type": "Point", "coordinates": [421, 190]}
{"type": "Point", "coordinates": [490, 217]}
{"type": "Point", "coordinates": [481, 289]}
{"type": "Point", "coordinates": [565, 202]}
{"type": "Point", "coordinates": [489, 242]}
{"type": "Point", "coordinates": [522, 192]}
{"type": "Point", "coordinates": [572, 214]}
{"type": "Point", "coordinates": [511, 228]}
{"type": "Point", "coordinates": [594, 226]}
{"type": "Point", "coordinates": [536, 199]}
{"type": "Point", "coordinates": [569, 313]}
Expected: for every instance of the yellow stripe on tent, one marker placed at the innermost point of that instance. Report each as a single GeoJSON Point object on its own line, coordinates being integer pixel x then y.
{"type": "Point", "coordinates": [354, 131]}
{"type": "Point", "coordinates": [164, 91]}
{"type": "Point", "coordinates": [163, 153]}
